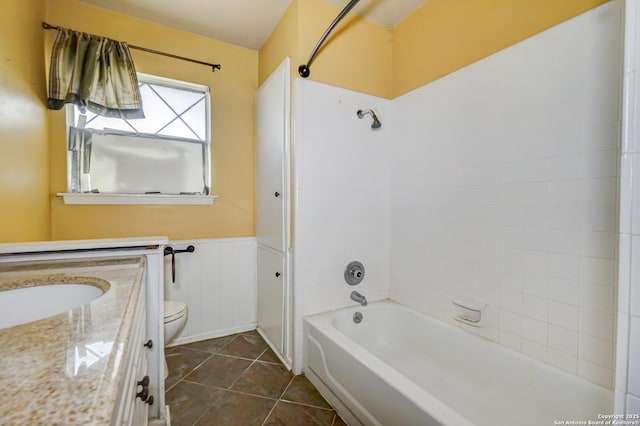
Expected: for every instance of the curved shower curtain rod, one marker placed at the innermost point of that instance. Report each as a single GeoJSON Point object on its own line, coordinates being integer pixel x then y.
{"type": "Point", "coordinates": [303, 69]}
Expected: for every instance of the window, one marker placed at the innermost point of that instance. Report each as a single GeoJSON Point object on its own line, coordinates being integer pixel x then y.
{"type": "Point", "coordinates": [166, 153]}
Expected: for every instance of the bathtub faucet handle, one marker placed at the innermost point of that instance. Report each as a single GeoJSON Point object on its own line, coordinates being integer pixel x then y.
{"type": "Point", "coordinates": [354, 273]}
{"type": "Point", "coordinates": [357, 297]}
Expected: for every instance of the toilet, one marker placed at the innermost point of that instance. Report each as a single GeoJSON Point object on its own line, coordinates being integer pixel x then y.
{"type": "Point", "coordinates": [175, 316]}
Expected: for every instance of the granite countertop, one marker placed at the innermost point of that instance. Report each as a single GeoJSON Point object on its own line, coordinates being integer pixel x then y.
{"type": "Point", "coordinates": [66, 369]}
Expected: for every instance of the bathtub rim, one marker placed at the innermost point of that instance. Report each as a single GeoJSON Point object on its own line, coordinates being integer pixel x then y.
{"type": "Point", "coordinates": [322, 322]}
{"type": "Point", "coordinates": [402, 384]}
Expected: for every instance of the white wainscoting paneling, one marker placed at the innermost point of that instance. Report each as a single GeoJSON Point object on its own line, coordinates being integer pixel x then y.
{"type": "Point", "coordinates": [218, 284]}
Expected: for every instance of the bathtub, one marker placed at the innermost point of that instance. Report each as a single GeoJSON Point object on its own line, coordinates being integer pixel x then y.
{"type": "Point", "coordinates": [400, 367]}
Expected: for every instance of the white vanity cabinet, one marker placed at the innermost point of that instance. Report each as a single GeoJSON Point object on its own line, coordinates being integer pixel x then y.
{"type": "Point", "coordinates": [112, 348]}
{"type": "Point", "coordinates": [130, 409]}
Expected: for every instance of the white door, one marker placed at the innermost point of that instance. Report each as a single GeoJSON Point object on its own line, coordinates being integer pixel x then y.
{"type": "Point", "coordinates": [271, 295]}
{"type": "Point", "coordinates": [272, 203]}
{"type": "Point", "coordinates": [272, 120]}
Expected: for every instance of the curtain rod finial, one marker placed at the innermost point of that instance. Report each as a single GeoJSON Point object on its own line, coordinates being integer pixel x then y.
{"type": "Point", "coordinates": [304, 71]}
{"type": "Point", "coordinates": [214, 67]}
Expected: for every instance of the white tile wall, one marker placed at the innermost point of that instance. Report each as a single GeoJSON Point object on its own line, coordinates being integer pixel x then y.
{"type": "Point", "coordinates": [502, 182]}
{"type": "Point", "coordinates": [633, 404]}
{"type": "Point", "coordinates": [634, 348]}
{"type": "Point", "coordinates": [341, 198]}
{"type": "Point", "coordinates": [503, 187]}
{"type": "Point", "coordinates": [627, 383]}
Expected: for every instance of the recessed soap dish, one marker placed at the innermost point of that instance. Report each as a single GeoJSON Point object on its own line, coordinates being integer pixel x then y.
{"type": "Point", "coordinates": [469, 311]}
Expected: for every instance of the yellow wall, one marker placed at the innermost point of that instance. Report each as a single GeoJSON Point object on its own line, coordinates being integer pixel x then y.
{"type": "Point", "coordinates": [282, 42]}
{"type": "Point", "coordinates": [435, 40]}
{"type": "Point", "coordinates": [232, 126]}
{"type": "Point", "coordinates": [440, 37]}
{"type": "Point", "coordinates": [445, 35]}
{"type": "Point", "coordinates": [24, 166]}
{"type": "Point", "coordinates": [356, 56]}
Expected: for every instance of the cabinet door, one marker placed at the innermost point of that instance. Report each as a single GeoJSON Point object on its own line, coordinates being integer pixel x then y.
{"type": "Point", "coordinates": [271, 279]}
{"type": "Point", "coordinates": [271, 139]}
{"type": "Point", "coordinates": [131, 410]}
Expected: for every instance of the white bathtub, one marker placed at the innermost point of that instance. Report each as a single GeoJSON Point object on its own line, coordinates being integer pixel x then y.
{"type": "Point", "coordinates": [399, 367]}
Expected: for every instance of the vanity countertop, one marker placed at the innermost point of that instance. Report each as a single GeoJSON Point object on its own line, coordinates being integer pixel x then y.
{"type": "Point", "coordinates": [66, 369]}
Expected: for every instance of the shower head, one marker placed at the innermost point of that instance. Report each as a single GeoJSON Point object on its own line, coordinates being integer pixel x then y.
{"type": "Point", "coordinates": [376, 122]}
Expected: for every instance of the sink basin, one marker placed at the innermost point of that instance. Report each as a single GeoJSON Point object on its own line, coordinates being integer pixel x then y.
{"type": "Point", "coordinates": [27, 304]}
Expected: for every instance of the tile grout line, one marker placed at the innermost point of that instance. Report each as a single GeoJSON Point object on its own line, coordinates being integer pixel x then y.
{"type": "Point", "coordinates": [201, 416]}
{"type": "Point", "coordinates": [302, 403]}
{"type": "Point", "coordinates": [238, 378]}
{"type": "Point", "coordinates": [262, 396]}
{"type": "Point", "coordinates": [307, 405]}
{"type": "Point", "coordinates": [245, 370]}
{"type": "Point", "coordinates": [277, 401]}
{"type": "Point", "coordinates": [223, 389]}
{"type": "Point", "coordinates": [269, 414]}
{"type": "Point", "coordinates": [217, 351]}
{"type": "Point", "coordinates": [190, 371]}
{"type": "Point", "coordinates": [286, 388]}
{"type": "Point", "coordinates": [211, 354]}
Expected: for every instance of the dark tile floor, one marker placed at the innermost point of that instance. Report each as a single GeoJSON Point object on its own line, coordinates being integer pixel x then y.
{"type": "Point", "coordinates": [238, 380]}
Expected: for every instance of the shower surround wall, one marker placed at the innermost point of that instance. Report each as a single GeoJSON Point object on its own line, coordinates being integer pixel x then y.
{"type": "Point", "coordinates": [628, 321]}
{"type": "Point", "coordinates": [498, 182]}
{"type": "Point", "coordinates": [504, 188]}
{"type": "Point", "coordinates": [341, 198]}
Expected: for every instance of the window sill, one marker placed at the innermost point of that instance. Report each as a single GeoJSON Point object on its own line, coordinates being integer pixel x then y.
{"type": "Point", "coordinates": [73, 198]}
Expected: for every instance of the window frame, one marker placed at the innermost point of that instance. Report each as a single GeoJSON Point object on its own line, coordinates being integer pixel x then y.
{"type": "Point", "coordinates": [145, 199]}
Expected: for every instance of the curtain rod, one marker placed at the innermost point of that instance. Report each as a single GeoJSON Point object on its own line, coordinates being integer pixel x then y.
{"type": "Point", "coordinates": [157, 52]}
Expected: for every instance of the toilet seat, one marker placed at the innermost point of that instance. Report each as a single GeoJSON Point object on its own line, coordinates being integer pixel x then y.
{"type": "Point", "coordinates": [173, 310]}
{"type": "Point", "coordinates": [175, 317]}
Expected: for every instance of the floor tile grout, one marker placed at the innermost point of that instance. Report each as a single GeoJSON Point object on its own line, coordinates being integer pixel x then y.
{"type": "Point", "coordinates": [253, 360]}
{"type": "Point", "coordinates": [243, 371]}
{"type": "Point", "coordinates": [201, 416]}
{"type": "Point", "coordinates": [189, 372]}
{"type": "Point", "coordinates": [278, 400]}
{"type": "Point", "coordinates": [261, 396]}
{"type": "Point", "coordinates": [269, 413]}
{"type": "Point", "coordinates": [306, 405]}
{"type": "Point", "coordinates": [287, 387]}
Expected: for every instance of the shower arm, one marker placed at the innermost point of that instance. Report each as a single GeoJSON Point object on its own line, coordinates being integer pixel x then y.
{"type": "Point", "coordinates": [303, 69]}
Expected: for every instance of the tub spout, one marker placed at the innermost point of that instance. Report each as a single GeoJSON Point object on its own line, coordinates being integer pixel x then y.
{"type": "Point", "coordinates": [357, 297]}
